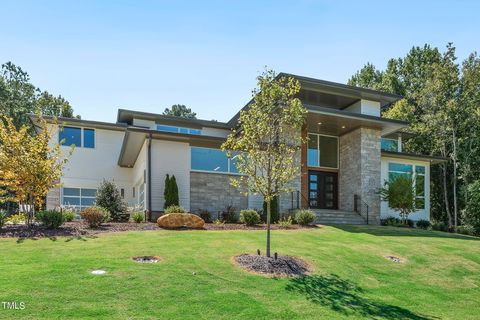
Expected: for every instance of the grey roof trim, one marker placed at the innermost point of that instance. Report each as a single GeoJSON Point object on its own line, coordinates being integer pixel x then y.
{"type": "Point", "coordinates": [412, 156]}
{"type": "Point", "coordinates": [124, 113]}
{"type": "Point", "coordinates": [352, 115]}
{"type": "Point", "coordinates": [162, 135]}
{"type": "Point", "coordinates": [347, 89]}
{"type": "Point", "coordinates": [81, 122]}
{"type": "Point", "coordinates": [334, 88]}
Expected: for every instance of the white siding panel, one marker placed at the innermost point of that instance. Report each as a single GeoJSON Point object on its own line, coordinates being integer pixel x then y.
{"type": "Point", "coordinates": [87, 167]}
{"type": "Point", "coordinates": [214, 132]}
{"type": "Point", "coordinates": [170, 158]}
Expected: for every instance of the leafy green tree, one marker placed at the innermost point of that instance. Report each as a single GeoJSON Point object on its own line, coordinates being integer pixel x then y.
{"type": "Point", "coordinates": [267, 140]}
{"type": "Point", "coordinates": [17, 94]}
{"type": "Point", "coordinates": [19, 98]}
{"type": "Point", "coordinates": [471, 214]}
{"type": "Point", "coordinates": [399, 193]}
{"type": "Point", "coordinates": [110, 199]}
{"type": "Point", "coordinates": [49, 105]}
{"type": "Point", "coordinates": [442, 103]}
{"type": "Point", "coordinates": [179, 110]}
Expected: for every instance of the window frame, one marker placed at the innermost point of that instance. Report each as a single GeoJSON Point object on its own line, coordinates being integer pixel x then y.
{"type": "Point", "coordinates": [82, 137]}
{"type": "Point", "coordinates": [78, 207]}
{"type": "Point", "coordinates": [178, 129]}
{"type": "Point", "coordinates": [318, 150]}
{"type": "Point", "coordinates": [389, 139]}
{"type": "Point", "coordinates": [229, 161]}
{"type": "Point", "coordinates": [413, 175]}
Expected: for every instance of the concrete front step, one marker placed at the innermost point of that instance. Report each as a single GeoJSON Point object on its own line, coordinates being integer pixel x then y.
{"type": "Point", "coordinates": [338, 217]}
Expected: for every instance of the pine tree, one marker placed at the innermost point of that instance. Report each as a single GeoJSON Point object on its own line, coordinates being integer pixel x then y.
{"type": "Point", "coordinates": [174, 191]}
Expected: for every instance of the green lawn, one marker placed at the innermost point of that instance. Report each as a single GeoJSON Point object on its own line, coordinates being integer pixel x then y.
{"type": "Point", "coordinates": [440, 279]}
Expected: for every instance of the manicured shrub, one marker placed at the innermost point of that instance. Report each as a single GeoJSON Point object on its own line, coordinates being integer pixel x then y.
{"type": "Point", "coordinates": [138, 217]}
{"type": "Point", "coordinates": [110, 198]}
{"type": "Point", "coordinates": [19, 218]}
{"type": "Point", "coordinates": [396, 222]}
{"type": "Point", "coordinates": [3, 218]}
{"type": "Point", "coordinates": [170, 192]}
{"type": "Point", "coordinates": [285, 222]}
{"type": "Point", "coordinates": [439, 226]}
{"type": "Point", "coordinates": [274, 210]}
{"type": "Point", "coordinates": [69, 215]}
{"type": "Point", "coordinates": [206, 216]}
{"type": "Point", "coordinates": [229, 215]}
{"type": "Point", "coordinates": [304, 217]}
{"type": "Point", "coordinates": [423, 224]}
{"type": "Point", "coordinates": [95, 216]}
{"type": "Point", "coordinates": [466, 229]}
{"type": "Point", "coordinates": [249, 217]}
{"type": "Point", "coordinates": [50, 219]}
{"type": "Point", "coordinates": [174, 209]}
{"type": "Point", "coordinates": [218, 222]}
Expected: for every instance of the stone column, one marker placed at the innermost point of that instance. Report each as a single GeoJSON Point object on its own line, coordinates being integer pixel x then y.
{"type": "Point", "coordinates": [360, 168]}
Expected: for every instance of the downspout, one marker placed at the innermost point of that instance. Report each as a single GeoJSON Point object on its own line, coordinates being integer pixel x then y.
{"type": "Point", "coordinates": [149, 178]}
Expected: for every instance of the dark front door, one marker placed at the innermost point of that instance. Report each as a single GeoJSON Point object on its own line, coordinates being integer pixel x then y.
{"type": "Point", "coordinates": [322, 190]}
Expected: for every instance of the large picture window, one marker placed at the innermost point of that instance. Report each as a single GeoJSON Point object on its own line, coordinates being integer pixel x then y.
{"type": "Point", "coordinates": [174, 129]}
{"type": "Point", "coordinates": [414, 172]}
{"type": "Point", "coordinates": [80, 198]}
{"type": "Point", "coordinates": [389, 144]}
{"type": "Point", "coordinates": [322, 151]}
{"type": "Point", "coordinates": [214, 160]}
{"type": "Point", "coordinates": [68, 136]}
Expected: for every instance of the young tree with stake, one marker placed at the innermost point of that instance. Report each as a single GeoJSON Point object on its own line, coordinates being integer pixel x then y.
{"type": "Point", "coordinates": [267, 140]}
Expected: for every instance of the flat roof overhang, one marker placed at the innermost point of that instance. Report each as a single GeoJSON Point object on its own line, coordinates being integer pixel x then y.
{"type": "Point", "coordinates": [135, 138]}
{"type": "Point", "coordinates": [412, 156]}
{"type": "Point", "coordinates": [78, 122]}
{"type": "Point", "coordinates": [127, 116]}
{"type": "Point", "coordinates": [338, 122]}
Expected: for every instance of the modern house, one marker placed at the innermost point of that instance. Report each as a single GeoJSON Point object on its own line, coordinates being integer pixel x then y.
{"type": "Point", "coordinates": [351, 152]}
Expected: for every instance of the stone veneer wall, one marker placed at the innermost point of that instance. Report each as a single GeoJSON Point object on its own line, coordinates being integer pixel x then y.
{"type": "Point", "coordinates": [213, 192]}
{"type": "Point", "coordinates": [53, 199]}
{"type": "Point", "coordinates": [360, 169]}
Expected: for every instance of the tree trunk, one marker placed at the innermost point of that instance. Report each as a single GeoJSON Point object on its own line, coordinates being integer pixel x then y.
{"type": "Point", "coordinates": [445, 195]}
{"type": "Point", "coordinates": [268, 228]}
{"type": "Point", "coordinates": [455, 210]}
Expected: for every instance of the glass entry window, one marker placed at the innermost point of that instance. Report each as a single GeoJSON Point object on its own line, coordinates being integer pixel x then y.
{"type": "Point", "coordinates": [322, 190]}
{"type": "Point", "coordinates": [322, 151]}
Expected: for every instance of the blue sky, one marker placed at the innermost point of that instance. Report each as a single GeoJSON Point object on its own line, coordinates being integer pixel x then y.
{"type": "Point", "coordinates": [148, 55]}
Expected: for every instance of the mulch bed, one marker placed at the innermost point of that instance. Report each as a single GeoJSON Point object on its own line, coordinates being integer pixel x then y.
{"type": "Point", "coordinates": [74, 229]}
{"type": "Point", "coordinates": [238, 226]}
{"type": "Point", "coordinates": [78, 228]}
{"type": "Point", "coordinates": [283, 266]}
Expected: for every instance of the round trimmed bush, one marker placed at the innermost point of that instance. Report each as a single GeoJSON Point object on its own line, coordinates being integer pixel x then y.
{"type": "Point", "coordinates": [50, 219]}
{"type": "Point", "coordinates": [423, 224]}
{"type": "Point", "coordinates": [304, 217]}
{"type": "Point", "coordinates": [69, 215]}
{"type": "Point", "coordinates": [249, 217]}
{"type": "Point", "coordinates": [95, 216]}
{"type": "Point", "coordinates": [137, 217]}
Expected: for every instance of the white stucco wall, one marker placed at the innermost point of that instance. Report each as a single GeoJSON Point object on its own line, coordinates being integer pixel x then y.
{"type": "Point", "coordinates": [423, 214]}
{"type": "Point", "coordinates": [138, 173]}
{"type": "Point", "coordinates": [172, 158]}
{"type": "Point", "coordinates": [87, 167]}
{"type": "Point", "coordinates": [367, 107]}
{"type": "Point", "coordinates": [215, 132]}
{"type": "Point", "coordinates": [144, 123]}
